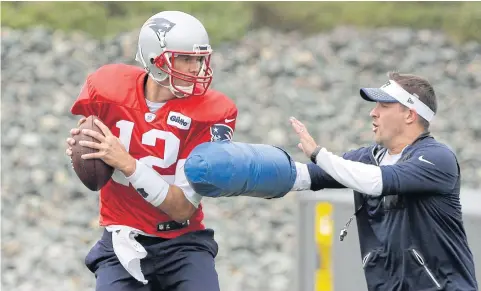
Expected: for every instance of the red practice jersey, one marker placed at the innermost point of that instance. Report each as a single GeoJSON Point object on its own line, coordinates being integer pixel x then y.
{"type": "Point", "coordinates": [163, 140]}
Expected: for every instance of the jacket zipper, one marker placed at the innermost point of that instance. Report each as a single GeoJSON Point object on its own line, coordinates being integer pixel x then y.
{"type": "Point", "coordinates": [430, 274]}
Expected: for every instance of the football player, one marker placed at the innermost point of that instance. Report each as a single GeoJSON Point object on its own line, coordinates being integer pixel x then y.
{"type": "Point", "coordinates": [153, 117]}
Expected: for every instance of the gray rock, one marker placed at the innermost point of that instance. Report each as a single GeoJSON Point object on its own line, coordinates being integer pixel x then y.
{"type": "Point", "coordinates": [49, 219]}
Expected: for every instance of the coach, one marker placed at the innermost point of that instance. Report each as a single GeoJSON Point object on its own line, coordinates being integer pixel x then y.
{"type": "Point", "coordinates": [406, 192]}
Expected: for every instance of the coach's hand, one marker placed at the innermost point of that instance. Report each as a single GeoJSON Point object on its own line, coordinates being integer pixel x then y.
{"type": "Point", "coordinates": [306, 142]}
{"type": "Point", "coordinates": [110, 149]}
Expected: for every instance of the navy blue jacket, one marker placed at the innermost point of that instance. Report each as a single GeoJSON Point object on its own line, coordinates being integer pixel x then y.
{"type": "Point", "coordinates": [412, 236]}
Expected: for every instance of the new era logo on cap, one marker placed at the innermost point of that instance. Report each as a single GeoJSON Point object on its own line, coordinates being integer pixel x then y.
{"type": "Point", "coordinates": [387, 84]}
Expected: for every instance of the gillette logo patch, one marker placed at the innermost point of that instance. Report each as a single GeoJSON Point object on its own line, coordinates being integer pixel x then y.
{"type": "Point", "coordinates": [178, 120]}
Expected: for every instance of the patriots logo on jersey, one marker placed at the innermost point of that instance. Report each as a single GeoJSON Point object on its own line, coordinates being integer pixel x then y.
{"type": "Point", "coordinates": [221, 132]}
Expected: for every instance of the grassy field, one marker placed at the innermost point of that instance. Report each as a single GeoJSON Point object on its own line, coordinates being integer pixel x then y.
{"type": "Point", "coordinates": [230, 20]}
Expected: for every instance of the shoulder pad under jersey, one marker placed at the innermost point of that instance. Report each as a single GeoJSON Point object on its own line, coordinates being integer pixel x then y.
{"type": "Point", "coordinates": [213, 106]}
{"type": "Point", "coordinates": [116, 83]}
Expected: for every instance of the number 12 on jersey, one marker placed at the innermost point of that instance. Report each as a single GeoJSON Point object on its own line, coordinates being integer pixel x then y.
{"type": "Point", "coordinates": [149, 138]}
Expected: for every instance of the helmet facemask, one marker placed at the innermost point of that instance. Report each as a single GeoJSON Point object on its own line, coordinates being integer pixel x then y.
{"type": "Point", "coordinates": [200, 82]}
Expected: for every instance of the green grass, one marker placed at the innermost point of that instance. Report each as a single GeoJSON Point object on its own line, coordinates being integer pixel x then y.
{"type": "Point", "coordinates": [230, 20]}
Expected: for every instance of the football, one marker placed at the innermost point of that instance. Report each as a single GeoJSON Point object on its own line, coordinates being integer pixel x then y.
{"type": "Point", "coordinates": [94, 173]}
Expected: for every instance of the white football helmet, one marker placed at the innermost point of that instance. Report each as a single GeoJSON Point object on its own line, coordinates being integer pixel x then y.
{"type": "Point", "coordinates": [166, 35]}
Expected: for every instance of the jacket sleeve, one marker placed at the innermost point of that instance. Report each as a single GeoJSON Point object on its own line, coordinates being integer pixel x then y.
{"type": "Point", "coordinates": [433, 171]}
{"type": "Point", "coordinates": [321, 180]}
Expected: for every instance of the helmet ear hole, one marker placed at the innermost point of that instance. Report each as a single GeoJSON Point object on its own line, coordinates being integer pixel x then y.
{"type": "Point", "coordinates": [152, 61]}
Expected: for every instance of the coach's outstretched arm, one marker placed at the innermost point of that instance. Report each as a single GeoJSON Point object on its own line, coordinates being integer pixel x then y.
{"type": "Point", "coordinates": [229, 169]}
{"type": "Point", "coordinates": [433, 171]}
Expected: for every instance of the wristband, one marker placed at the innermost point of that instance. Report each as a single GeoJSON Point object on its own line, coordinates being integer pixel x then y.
{"type": "Point", "coordinates": [149, 184]}
{"type": "Point", "coordinates": [314, 154]}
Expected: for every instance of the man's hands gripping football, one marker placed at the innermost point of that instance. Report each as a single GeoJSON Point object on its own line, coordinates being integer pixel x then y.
{"type": "Point", "coordinates": [109, 147]}
{"type": "Point", "coordinates": [70, 140]}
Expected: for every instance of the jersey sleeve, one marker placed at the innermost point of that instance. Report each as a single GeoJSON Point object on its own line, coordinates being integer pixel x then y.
{"type": "Point", "coordinates": [217, 129]}
{"type": "Point", "coordinates": [85, 104]}
{"type": "Point", "coordinates": [322, 180]}
{"type": "Point", "coordinates": [433, 171]}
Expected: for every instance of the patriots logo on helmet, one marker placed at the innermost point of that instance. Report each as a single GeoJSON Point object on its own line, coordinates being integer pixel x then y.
{"type": "Point", "coordinates": [221, 132]}
{"type": "Point", "coordinates": [160, 26]}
